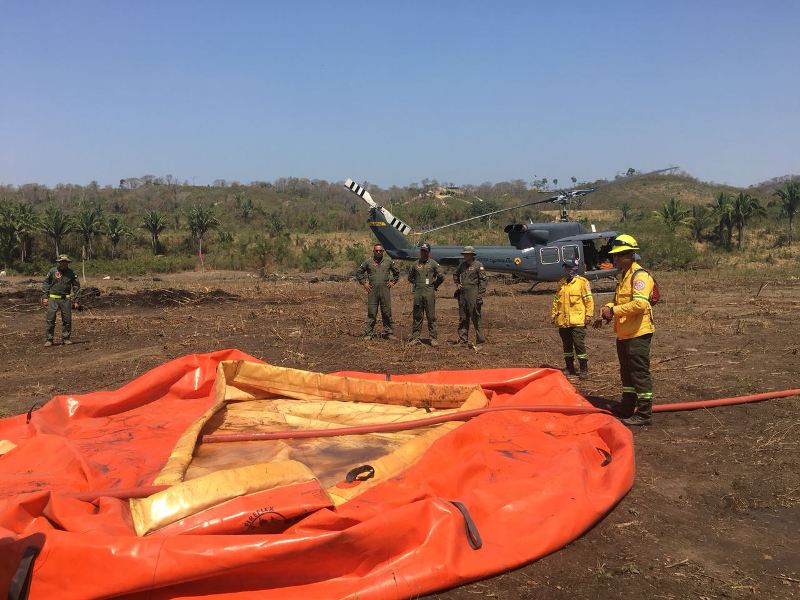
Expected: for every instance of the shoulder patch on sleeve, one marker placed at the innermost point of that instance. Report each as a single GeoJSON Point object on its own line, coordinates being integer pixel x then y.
{"type": "Point", "coordinates": [638, 284]}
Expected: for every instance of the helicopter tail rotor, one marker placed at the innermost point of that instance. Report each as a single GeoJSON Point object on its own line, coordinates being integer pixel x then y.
{"type": "Point", "coordinates": [390, 218]}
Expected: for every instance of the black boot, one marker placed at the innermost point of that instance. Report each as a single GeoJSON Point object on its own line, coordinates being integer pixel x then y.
{"type": "Point", "coordinates": [570, 368]}
{"type": "Point", "coordinates": [637, 420]}
{"type": "Point", "coordinates": [644, 412]}
{"type": "Point", "coordinates": [628, 405]}
{"type": "Point", "coordinates": [584, 367]}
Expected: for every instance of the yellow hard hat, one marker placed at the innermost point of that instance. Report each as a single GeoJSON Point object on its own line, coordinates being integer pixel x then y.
{"type": "Point", "coordinates": [623, 243]}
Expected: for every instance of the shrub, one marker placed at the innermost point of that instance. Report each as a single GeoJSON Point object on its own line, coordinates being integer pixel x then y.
{"type": "Point", "coordinates": [662, 249]}
{"type": "Point", "coordinates": [271, 252]}
{"type": "Point", "coordinates": [354, 255]}
{"type": "Point", "coordinates": [315, 256]}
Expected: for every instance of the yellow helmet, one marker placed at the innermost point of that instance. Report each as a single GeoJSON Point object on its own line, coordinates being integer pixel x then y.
{"type": "Point", "coordinates": [623, 243]}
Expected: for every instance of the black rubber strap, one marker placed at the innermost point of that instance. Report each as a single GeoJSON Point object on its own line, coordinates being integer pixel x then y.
{"type": "Point", "coordinates": [473, 537]}
{"type": "Point", "coordinates": [356, 473]}
{"type": "Point", "coordinates": [606, 457]}
{"type": "Point", "coordinates": [20, 583]}
{"type": "Point", "coordinates": [30, 413]}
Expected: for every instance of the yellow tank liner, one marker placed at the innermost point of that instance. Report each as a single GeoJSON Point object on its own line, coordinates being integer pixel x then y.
{"type": "Point", "coordinates": [251, 397]}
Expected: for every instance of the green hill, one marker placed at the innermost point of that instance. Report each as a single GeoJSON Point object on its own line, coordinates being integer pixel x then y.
{"type": "Point", "coordinates": [303, 223]}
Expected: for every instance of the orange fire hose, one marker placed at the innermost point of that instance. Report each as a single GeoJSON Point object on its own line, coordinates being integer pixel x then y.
{"type": "Point", "coordinates": [466, 415]}
{"type": "Point", "coordinates": [724, 401]}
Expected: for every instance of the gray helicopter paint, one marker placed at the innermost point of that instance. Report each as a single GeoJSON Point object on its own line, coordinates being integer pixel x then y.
{"type": "Point", "coordinates": [538, 262]}
{"type": "Point", "coordinates": [536, 250]}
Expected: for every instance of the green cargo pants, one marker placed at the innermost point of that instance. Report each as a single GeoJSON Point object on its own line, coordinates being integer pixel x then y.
{"type": "Point", "coordinates": [379, 297]}
{"type": "Point", "coordinates": [634, 369]}
{"type": "Point", "coordinates": [573, 339]}
{"type": "Point", "coordinates": [424, 304]}
{"type": "Point", "coordinates": [53, 306]}
{"type": "Point", "coordinates": [469, 309]}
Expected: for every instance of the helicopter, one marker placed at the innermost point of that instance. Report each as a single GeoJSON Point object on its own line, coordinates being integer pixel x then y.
{"type": "Point", "coordinates": [537, 250]}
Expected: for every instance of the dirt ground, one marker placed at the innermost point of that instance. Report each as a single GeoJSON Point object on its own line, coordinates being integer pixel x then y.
{"type": "Point", "coordinates": [715, 509]}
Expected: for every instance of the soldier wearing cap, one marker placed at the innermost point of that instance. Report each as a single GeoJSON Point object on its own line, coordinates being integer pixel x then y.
{"type": "Point", "coordinates": [378, 276]}
{"type": "Point", "coordinates": [632, 314]}
{"type": "Point", "coordinates": [425, 277]}
{"type": "Point", "coordinates": [470, 279]}
{"type": "Point", "coordinates": [572, 311]}
{"type": "Point", "coordinates": [59, 288]}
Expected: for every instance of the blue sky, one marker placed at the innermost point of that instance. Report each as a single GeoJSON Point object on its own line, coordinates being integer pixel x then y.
{"type": "Point", "coordinates": [395, 92]}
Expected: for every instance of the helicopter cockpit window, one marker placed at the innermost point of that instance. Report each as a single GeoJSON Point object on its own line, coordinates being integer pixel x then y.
{"type": "Point", "coordinates": [549, 256]}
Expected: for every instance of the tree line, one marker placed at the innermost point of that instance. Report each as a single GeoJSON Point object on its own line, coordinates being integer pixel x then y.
{"type": "Point", "coordinates": [726, 213]}
{"type": "Point", "coordinates": [21, 222]}
{"type": "Point", "coordinates": [38, 223]}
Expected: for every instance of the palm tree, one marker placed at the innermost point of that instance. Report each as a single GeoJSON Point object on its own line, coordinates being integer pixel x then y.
{"type": "Point", "coordinates": [89, 225]}
{"type": "Point", "coordinates": [7, 238]}
{"type": "Point", "coordinates": [244, 205]}
{"type": "Point", "coordinates": [744, 207]}
{"type": "Point", "coordinates": [789, 201]}
{"type": "Point", "coordinates": [722, 209]}
{"type": "Point", "coordinates": [18, 221]}
{"type": "Point", "coordinates": [56, 225]}
{"type": "Point", "coordinates": [116, 230]}
{"type": "Point", "coordinates": [155, 223]}
{"type": "Point", "coordinates": [701, 218]}
{"type": "Point", "coordinates": [201, 220]}
{"type": "Point", "coordinates": [672, 214]}
{"type": "Point", "coordinates": [26, 223]}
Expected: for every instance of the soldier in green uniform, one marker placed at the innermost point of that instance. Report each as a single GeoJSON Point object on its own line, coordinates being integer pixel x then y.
{"type": "Point", "coordinates": [58, 288]}
{"type": "Point", "coordinates": [425, 277]}
{"type": "Point", "coordinates": [378, 276]}
{"type": "Point", "coordinates": [470, 277]}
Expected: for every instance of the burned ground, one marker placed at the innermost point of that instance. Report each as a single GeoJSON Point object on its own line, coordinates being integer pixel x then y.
{"type": "Point", "coordinates": [715, 509]}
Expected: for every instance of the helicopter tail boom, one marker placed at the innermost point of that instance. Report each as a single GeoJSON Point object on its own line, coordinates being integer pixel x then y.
{"type": "Point", "coordinates": [390, 231]}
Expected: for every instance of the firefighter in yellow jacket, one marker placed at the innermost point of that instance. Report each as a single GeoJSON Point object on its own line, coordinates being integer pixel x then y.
{"type": "Point", "coordinates": [572, 311]}
{"type": "Point", "coordinates": [632, 314]}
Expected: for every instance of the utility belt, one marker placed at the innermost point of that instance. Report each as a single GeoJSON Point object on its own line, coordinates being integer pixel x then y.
{"type": "Point", "coordinates": [60, 296]}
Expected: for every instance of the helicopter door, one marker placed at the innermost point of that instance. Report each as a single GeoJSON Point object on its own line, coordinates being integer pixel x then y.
{"type": "Point", "coordinates": [550, 263]}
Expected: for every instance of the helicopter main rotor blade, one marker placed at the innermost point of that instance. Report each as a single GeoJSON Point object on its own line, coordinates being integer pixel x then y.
{"type": "Point", "coordinates": [489, 214]}
{"type": "Point", "coordinates": [560, 197]}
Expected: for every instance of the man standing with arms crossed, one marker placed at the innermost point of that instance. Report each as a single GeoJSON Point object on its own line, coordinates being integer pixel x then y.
{"type": "Point", "coordinates": [378, 276]}
{"type": "Point", "coordinates": [632, 314]}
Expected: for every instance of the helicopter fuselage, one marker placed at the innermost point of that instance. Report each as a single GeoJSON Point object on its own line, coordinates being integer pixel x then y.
{"type": "Point", "coordinates": [540, 262]}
